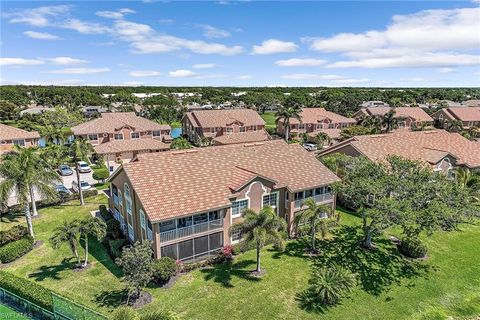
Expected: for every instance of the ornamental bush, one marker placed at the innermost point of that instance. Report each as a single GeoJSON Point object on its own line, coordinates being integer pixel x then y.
{"type": "Point", "coordinates": [14, 250]}
{"type": "Point", "coordinates": [413, 248]}
{"type": "Point", "coordinates": [163, 269]}
{"type": "Point", "coordinates": [113, 229]}
{"type": "Point", "coordinates": [115, 247]}
{"type": "Point", "coordinates": [124, 313]}
{"type": "Point", "coordinates": [159, 315]}
{"type": "Point", "coordinates": [329, 285]}
{"type": "Point", "coordinates": [15, 233]}
{"type": "Point", "coordinates": [27, 290]}
{"type": "Point", "coordinates": [100, 174]}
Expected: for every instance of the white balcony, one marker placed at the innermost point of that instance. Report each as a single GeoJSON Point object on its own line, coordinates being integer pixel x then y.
{"type": "Point", "coordinates": [194, 229]}
{"type": "Point", "coordinates": [319, 198]}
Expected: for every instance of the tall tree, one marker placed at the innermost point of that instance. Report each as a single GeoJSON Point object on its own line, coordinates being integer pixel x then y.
{"type": "Point", "coordinates": [284, 114]}
{"type": "Point", "coordinates": [80, 149]}
{"type": "Point", "coordinates": [23, 172]}
{"type": "Point", "coordinates": [258, 228]}
{"type": "Point", "coordinates": [91, 227]}
{"type": "Point", "coordinates": [389, 121]}
{"type": "Point", "coordinates": [67, 232]}
{"type": "Point", "coordinates": [454, 126]}
{"type": "Point", "coordinates": [316, 218]}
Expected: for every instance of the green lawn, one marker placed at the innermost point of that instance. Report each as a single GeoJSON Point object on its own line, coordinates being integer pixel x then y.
{"type": "Point", "coordinates": [7, 312]}
{"type": "Point", "coordinates": [390, 287]}
{"type": "Point", "coordinates": [269, 118]}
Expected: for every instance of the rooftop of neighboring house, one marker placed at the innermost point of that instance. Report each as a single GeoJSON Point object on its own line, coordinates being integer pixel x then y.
{"type": "Point", "coordinates": [177, 183]}
{"type": "Point", "coordinates": [12, 133]}
{"type": "Point", "coordinates": [428, 146]}
{"type": "Point", "coordinates": [471, 103]}
{"type": "Point", "coordinates": [242, 137]}
{"type": "Point", "coordinates": [416, 113]}
{"type": "Point", "coordinates": [119, 146]}
{"type": "Point", "coordinates": [113, 122]}
{"type": "Point", "coordinates": [315, 115]}
{"type": "Point", "coordinates": [334, 134]}
{"type": "Point", "coordinates": [461, 113]}
{"type": "Point", "coordinates": [223, 118]}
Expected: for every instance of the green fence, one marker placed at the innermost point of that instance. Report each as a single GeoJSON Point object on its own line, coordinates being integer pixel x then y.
{"type": "Point", "coordinates": [70, 310]}
{"type": "Point", "coordinates": [63, 308]}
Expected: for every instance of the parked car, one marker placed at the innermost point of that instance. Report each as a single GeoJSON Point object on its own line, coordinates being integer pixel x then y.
{"type": "Point", "coordinates": [65, 170]}
{"type": "Point", "coordinates": [83, 167]}
{"type": "Point", "coordinates": [310, 146]}
{"type": "Point", "coordinates": [83, 184]}
{"type": "Point", "coordinates": [62, 189]}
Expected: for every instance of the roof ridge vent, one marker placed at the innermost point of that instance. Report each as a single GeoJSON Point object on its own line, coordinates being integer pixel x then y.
{"type": "Point", "coordinates": [253, 144]}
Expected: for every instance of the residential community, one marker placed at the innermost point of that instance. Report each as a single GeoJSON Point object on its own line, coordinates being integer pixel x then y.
{"type": "Point", "coordinates": [271, 163]}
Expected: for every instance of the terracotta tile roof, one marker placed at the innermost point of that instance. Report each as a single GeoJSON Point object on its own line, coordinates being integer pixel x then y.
{"type": "Point", "coordinates": [129, 145]}
{"type": "Point", "coordinates": [332, 133]}
{"type": "Point", "coordinates": [416, 113]}
{"type": "Point", "coordinates": [315, 115]}
{"type": "Point", "coordinates": [428, 146]}
{"type": "Point", "coordinates": [222, 118]}
{"type": "Point", "coordinates": [112, 122]}
{"type": "Point", "coordinates": [177, 183]}
{"type": "Point", "coordinates": [242, 137]}
{"type": "Point", "coordinates": [464, 113]}
{"type": "Point", "coordinates": [9, 133]}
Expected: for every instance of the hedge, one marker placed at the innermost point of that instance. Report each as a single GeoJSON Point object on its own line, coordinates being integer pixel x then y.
{"type": "Point", "coordinates": [15, 233]}
{"type": "Point", "coordinates": [163, 269]}
{"type": "Point", "coordinates": [16, 249]}
{"type": "Point", "coordinates": [27, 290]}
{"type": "Point", "coordinates": [412, 248]}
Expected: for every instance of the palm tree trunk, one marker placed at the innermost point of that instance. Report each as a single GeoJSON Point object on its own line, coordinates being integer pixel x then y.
{"type": "Point", "coordinates": [258, 258]}
{"type": "Point", "coordinates": [79, 186]}
{"type": "Point", "coordinates": [75, 252]}
{"type": "Point", "coordinates": [287, 130]}
{"type": "Point", "coordinates": [313, 235]}
{"type": "Point", "coordinates": [28, 217]}
{"type": "Point", "coordinates": [32, 199]}
{"type": "Point", "coordinates": [85, 262]}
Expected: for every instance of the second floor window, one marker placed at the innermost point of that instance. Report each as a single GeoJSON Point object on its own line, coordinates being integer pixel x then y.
{"type": "Point", "coordinates": [20, 143]}
{"type": "Point", "coordinates": [242, 129]}
{"type": "Point", "coordinates": [118, 136]}
{"type": "Point", "coordinates": [229, 130]}
{"type": "Point", "coordinates": [135, 135]}
{"type": "Point", "coordinates": [238, 207]}
{"type": "Point", "coordinates": [301, 126]}
{"type": "Point", "coordinates": [270, 199]}
{"type": "Point", "coordinates": [156, 134]}
{"type": "Point", "coordinates": [93, 137]}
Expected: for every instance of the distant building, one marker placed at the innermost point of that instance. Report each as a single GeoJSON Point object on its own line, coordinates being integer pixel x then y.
{"type": "Point", "coordinates": [90, 111]}
{"type": "Point", "coordinates": [210, 124]}
{"type": "Point", "coordinates": [406, 116]}
{"type": "Point", "coordinates": [441, 150]}
{"type": "Point", "coordinates": [36, 110]}
{"type": "Point", "coordinates": [469, 116]}
{"type": "Point", "coordinates": [471, 103]}
{"type": "Point", "coordinates": [374, 104]}
{"type": "Point", "coordinates": [10, 136]}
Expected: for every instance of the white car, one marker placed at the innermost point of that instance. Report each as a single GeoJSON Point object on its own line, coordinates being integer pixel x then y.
{"type": "Point", "coordinates": [83, 184]}
{"type": "Point", "coordinates": [310, 146]}
{"type": "Point", "coordinates": [83, 167]}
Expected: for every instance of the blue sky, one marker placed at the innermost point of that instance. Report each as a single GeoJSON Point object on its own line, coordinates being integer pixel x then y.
{"type": "Point", "coordinates": [247, 43]}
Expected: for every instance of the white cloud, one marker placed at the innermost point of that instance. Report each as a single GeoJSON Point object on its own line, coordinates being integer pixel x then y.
{"type": "Point", "coordinates": [414, 79]}
{"type": "Point", "coordinates": [213, 32]}
{"type": "Point", "coordinates": [429, 38]}
{"type": "Point", "coordinates": [80, 71]}
{"type": "Point", "coordinates": [447, 70]}
{"type": "Point", "coordinates": [351, 81]}
{"type": "Point", "coordinates": [19, 62]}
{"type": "Point", "coordinates": [119, 14]}
{"type": "Point", "coordinates": [295, 62]}
{"type": "Point", "coordinates": [65, 61]}
{"type": "Point", "coordinates": [182, 74]}
{"type": "Point", "coordinates": [38, 17]}
{"type": "Point", "coordinates": [204, 66]}
{"type": "Point", "coordinates": [84, 27]}
{"type": "Point", "coordinates": [244, 77]}
{"type": "Point", "coordinates": [311, 76]}
{"type": "Point", "coordinates": [41, 35]}
{"type": "Point", "coordinates": [144, 73]}
{"type": "Point", "coordinates": [272, 46]}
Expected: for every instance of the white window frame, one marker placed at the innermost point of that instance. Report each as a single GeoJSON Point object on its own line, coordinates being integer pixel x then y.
{"type": "Point", "coordinates": [22, 144]}
{"type": "Point", "coordinates": [92, 134]}
{"type": "Point", "coordinates": [241, 129]}
{"type": "Point", "coordinates": [156, 134]}
{"type": "Point", "coordinates": [239, 200]}
{"type": "Point", "coordinates": [132, 133]}
{"type": "Point", "coordinates": [115, 136]}
{"type": "Point", "coordinates": [269, 195]}
{"type": "Point", "coordinates": [229, 130]}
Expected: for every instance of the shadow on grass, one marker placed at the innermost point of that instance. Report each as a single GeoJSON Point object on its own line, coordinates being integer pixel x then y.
{"type": "Point", "coordinates": [100, 253]}
{"type": "Point", "coordinates": [223, 273]}
{"type": "Point", "coordinates": [11, 218]}
{"type": "Point", "coordinates": [52, 272]}
{"type": "Point", "coordinates": [308, 302]}
{"type": "Point", "coordinates": [111, 299]}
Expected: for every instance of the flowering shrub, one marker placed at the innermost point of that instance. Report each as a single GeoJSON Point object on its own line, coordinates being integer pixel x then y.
{"type": "Point", "coordinates": [226, 253]}
{"type": "Point", "coordinates": [179, 265]}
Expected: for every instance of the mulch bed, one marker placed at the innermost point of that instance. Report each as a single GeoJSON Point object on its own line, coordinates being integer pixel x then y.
{"type": "Point", "coordinates": [80, 268]}
{"type": "Point", "coordinates": [142, 300]}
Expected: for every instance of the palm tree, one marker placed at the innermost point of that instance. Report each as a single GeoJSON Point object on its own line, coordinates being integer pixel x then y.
{"type": "Point", "coordinates": [466, 178]}
{"type": "Point", "coordinates": [389, 122]}
{"type": "Point", "coordinates": [372, 122]}
{"type": "Point", "coordinates": [53, 134]}
{"type": "Point", "coordinates": [67, 233]}
{"type": "Point", "coordinates": [454, 126]}
{"type": "Point", "coordinates": [285, 114]}
{"type": "Point", "coordinates": [257, 228]}
{"type": "Point", "coordinates": [24, 171]}
{"type": "Point", "coordinates": [329, 285]}
{"type": "Point", "coordinates": [321, 138]}
{"type": "Point", "coordinates": [313, 220]}
{"type": "Point", "coordinates": [94, 227]}
{"type": "Point", "coordinates": [80, 150]}
{"type": "Point", "coordinates": [54, 154]}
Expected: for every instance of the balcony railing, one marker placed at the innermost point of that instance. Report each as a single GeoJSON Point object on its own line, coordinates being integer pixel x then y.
{"type": "Point", "coordinates": [187, 231]}
{"type": "Point", "coordinates": [115, 199]}
{"type": "Point", "coordinates": [149, 234]}
{"type": "Point", "coordinates": [319, 198]}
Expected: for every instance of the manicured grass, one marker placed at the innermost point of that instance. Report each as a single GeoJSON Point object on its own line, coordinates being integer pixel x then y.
{"type": "Point", "coordinates": [389, 286]}
{"type": "Point", "coordinates": [269, 118]}
{"type": "Point", "coordinates": [7, 312]}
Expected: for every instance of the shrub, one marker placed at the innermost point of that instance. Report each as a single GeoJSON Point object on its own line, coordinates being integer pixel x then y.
{"type": "Point", "coordinates": [14, 250]}
{"type": "Point", "coordinates": [271, 130]}
{"type": "Point", "coordinates": [412, 248]}
{"type": "Point", "coordinates": [27, 290]}
{"type": "Point", "coordinates": [159, 315]}
{"type": "Point", "coordinates": [225, 254]}
{"type": "Point", "coordinates": [329, 284]}
{"type": "Point", "coordinates": [124, 313]}
{"type": "Point", "coordinates": [15, 233]}
{"type": "Point", "coordinates": [113, 229]}
{"type": "Point", "coordinates": [106, 215]}
{"type": "Point", "coordinates": [100, 174]}
{"type": "Point", "coordinates": [163, 269]}
{"type": "Point", "coordinates": [115, 247]}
